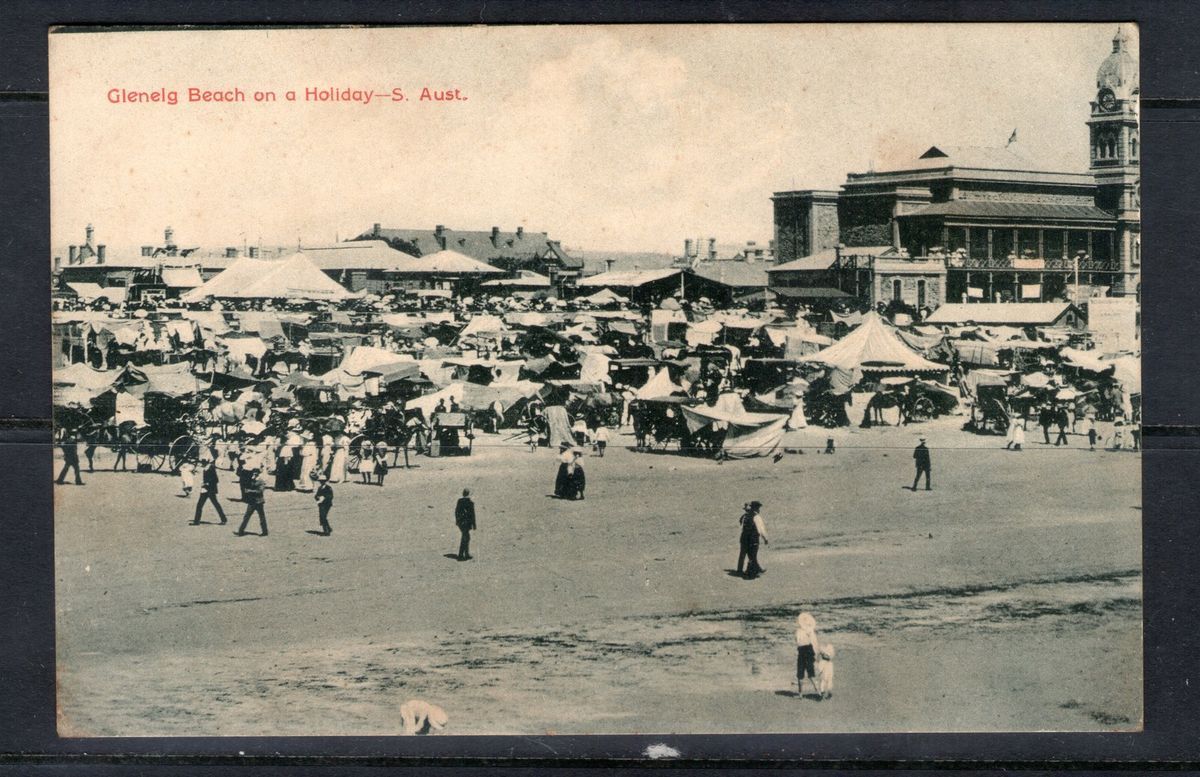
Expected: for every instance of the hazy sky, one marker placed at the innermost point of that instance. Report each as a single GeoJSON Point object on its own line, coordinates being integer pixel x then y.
{"type": "Point", "coordinates": [608, 138]}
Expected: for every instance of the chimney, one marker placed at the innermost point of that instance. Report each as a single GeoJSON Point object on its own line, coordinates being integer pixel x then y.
{"type": "Point", "coordinates": [712, 249]}
{"type": "Point", "coordinates": [439, 233]}
{"type": "Point", "coordinates": [495, 235]}
{"type": "Point", "coordinates": [147, 250]}
{"type": "Point", "coordinates": [253, 252]}
{"type": "Point", "coordinates": [57, 263]}
{"type": "Point", "coordinates": [89, 232]}
{"type": "Point", "coordinates": [168, 237]}
{"type": "Point", "coordinates": [687, 248]}
{"type": "Point", "coordinates": [74, 251]}
{"type": "Point", "coordinates": [231, 252]}
{"type": "Point", "coordinates": [375, 229]}
{"type": "Point", "coordinates": [520, 233]}
{"type": "Point", "coordinates": [100, 254]}
{"type": "Point", "coordinates": [609, 264]}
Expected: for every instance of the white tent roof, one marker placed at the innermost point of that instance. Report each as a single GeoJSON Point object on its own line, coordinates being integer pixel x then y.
{"type": "Point", "coordinates": [873, 344]}
{"type": "Point", "coordinates": [295, 277]}
{"type": "Point", "coordinates": [447, 261]}
{"type": "Point", "coordinates": [660, 385]}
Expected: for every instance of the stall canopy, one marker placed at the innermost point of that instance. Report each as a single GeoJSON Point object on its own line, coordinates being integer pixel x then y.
{"type": "Point", "coordinates": [873, 345]}
{"type": "Point", "coordinates": [295, 277]}
{"type": "Point", "coordinates": [747, 434]}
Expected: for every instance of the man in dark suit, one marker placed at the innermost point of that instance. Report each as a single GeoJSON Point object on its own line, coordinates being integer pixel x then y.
{"type": "Point", "coordinates": [70, 451]}
{"type": "Point", "coordinates": [324, 497]}
{"type": "Point", "coordinates": [464, 517]}
{"type": "Point", "coordinates": [921, 458]}
{"type": "Point", "coordinates": [208, 490]}
{"type": "Point", "coordinates": [255, 496]}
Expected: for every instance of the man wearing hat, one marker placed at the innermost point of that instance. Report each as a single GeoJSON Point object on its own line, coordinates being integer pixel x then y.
{"type": "Point", "coordinates": [255, 497]}
{"type": "Point", "coordinates": [209, 484]}
{"type": "Point", "coordinates": [464, 519]}
{"type": "Point", "coordinates": [324, 498]}
{"type": "Point", "coordinates": [921, 458]}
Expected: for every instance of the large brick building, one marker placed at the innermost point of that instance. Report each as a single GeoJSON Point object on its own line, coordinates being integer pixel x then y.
{"type": "Point", "coordinates": [1003, 227]}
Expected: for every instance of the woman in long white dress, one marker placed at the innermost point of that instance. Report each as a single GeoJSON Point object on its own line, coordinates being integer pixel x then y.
{"type": "Point", "coordinates": [337, 467]}
{"type": "Point", "coordinates": [308, 461]}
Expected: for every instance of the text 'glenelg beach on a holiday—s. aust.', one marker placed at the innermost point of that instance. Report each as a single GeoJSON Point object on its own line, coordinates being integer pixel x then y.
{"type": "Point", "coordinates": [309, 94]}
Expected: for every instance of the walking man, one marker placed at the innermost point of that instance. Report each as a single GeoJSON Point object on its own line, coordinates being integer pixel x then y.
{"type": "Point", "coordinates": [70, 451]}
{"type": "Point", "coordinates": [255, 497]}
{"type": "Point", "coordinates": [208, 489]}
{"type": "Point", "coordinates": [1062, 421]}
{"type": "Point", "coordinates": [921, 458]}
{"type": "Point", "coordinates": [464, 518]}
{"type": "Point", "coordinates": [1045, 419]}
{"type": "Point", "coordinates": [324, 497]}
{"type": "Point", "coordinates": [753, 529]}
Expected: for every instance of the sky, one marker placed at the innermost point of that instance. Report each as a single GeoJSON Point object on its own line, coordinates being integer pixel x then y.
{"type": "Point", "coordinates": [609, 138]}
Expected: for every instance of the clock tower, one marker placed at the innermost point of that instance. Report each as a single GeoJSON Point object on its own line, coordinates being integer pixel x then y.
{"type": "Point", "coordinates": [1116, 156]}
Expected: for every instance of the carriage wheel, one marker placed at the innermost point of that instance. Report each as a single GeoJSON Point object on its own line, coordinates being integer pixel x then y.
{"type": "Point", "coordinates": [182, 449]}
{"type": "Point", "coordinates": [921, 409]}
{"type": "Point", "coordinates": [148, 450]}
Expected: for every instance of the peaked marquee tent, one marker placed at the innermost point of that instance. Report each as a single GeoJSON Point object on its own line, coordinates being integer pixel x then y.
{"type": "Point", "coordinates": [873, 345]}
{"type": "Point", "coordinates": [296, 277]}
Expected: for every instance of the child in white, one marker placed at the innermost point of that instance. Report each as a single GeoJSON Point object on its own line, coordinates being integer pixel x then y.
{"type": "Point", "coordinates": [825, 671]}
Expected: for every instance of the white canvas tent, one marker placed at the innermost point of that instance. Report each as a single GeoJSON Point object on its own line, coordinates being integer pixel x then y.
{"type": "Point", "coordinates": [873, 345]}
{"type": "Point", "coordinates": [747, 434]}
{"type": "Point", "coordinates": [295, 277]}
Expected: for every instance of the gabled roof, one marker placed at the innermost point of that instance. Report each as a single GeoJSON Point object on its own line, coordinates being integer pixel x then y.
{"type": "Point", "coordinates": [824, 259]}
{"type": "Point", "coordinates": [446, 262]}
{"type": "Point", "coordinates": [1013, 313]}
{"type": "Point", "coordinates": [1013, 210]}
{"type": "Point", "coordinates": [356, 255]}
{"type": "Point", "coordinates": [627, 278]}
{"type": "Point", "coordinates": [477, 244]}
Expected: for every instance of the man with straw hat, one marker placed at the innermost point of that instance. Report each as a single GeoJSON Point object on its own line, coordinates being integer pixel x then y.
{"type": "Point", "coordinates": [921, 459]}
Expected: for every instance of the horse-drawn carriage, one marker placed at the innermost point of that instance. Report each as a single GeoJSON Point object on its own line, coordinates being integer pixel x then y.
{"type": "Point", "coordinates": [452, 434]}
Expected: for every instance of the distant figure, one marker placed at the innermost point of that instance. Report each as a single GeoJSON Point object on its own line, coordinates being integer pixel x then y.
{"type": "Point", "coordinates": [441, 406]}
{"type": "Point", "coordinates": [753, 529]}
{"type": "Point", "coordinates": [825, 670]}
{"type": "Point", "coordinates": [187, 477]}
{"type": "Point", "coordinates": [829, 448]}
{"type": "Point", "coordinates": [421, 717]}
{"type": "Point", "coordinates": [562, 480]}
{"type": "Point", "coordinates": [381, 465]}
{"type": "Point", "coordinates": [464, 518]}
{"type": "Point", "coordinates": [601, 438]}
{"type": "Point", "coordinates": [1045, 419]}
{"type": "Point", "coordinates": [70, 450]}
{"type": "Point", "coordinates": [1090, 426]}
{"type": "Point", "coordinates": [124, 443]}
{"type": "Point", "coordinates": [921, 459]}
{"type": "Point", "coordinates": [366, 461]}
{"type": "Point", "coordinates": [806, 652]}
{"type": "Point", "coordinates": [578, 478]}
{"type": "Point", "coordinates": [254, 495]}
{"type": "Point", "coordinates": [1062, 421]}
{"type": "Point", "coordinates": [209, 485]}
{"type": "Point", "coordinates": [454, 408]}
{"type": "Point", "coordinates": [324, 499]}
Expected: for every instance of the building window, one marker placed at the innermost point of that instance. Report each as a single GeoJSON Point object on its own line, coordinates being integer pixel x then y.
{"type": "Point", "coordinates": [920, 294]}
{"type": "Point", "coordinates": [1133, 149]}
{"type": "Point", "coordinates": [1052, 240]}
{"type": "Point", "coordinates": [979, 243]}
{"type": "Point", "coordinates": [897, 292]}
{"type": "Point", "coordinates": [1077, 241]}
{"type": "Point", "coordinates": [1102, 246]}
{"type": "Point", "coordinates": [956, 238]}
{"type": "Point", "coordinates": [1027, 242]}
{"type": "Point", "coordinates": [1002, 243]}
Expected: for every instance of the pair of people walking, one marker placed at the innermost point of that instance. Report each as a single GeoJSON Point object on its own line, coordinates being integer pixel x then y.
{"type": "Point", "coordinates": [753, 530]}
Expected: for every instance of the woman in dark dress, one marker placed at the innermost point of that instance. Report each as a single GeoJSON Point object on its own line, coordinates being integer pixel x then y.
{"type": "Point", "coordinates": [578, 479]}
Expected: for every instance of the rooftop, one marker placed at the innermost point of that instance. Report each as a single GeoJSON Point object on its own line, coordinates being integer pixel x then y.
{"type": "Point", "coordinates": [1016, 313]}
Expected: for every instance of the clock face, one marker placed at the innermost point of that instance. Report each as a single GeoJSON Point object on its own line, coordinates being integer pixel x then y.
{"type": "Point", "coordinates": [1108, 101]}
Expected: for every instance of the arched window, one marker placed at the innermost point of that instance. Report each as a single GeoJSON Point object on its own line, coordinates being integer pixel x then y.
{"type": "Point", "coordinates": [896, 290]}
{"type": "Point", "coordinates": [1133, 147]}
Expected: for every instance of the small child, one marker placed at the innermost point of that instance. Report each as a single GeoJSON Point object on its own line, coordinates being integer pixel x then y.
{"type": "Point", "coordinates": [187, 476]}
{"type": "Point", "coordinates": [825, 671]}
